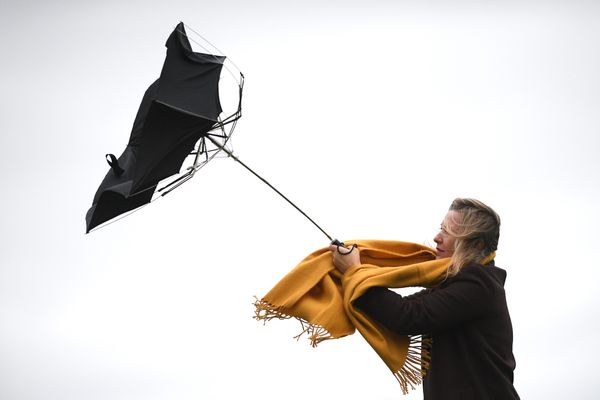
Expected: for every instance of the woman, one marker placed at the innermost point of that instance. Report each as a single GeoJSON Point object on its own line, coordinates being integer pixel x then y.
{"type": "Point", "coordinates": [466, 315]}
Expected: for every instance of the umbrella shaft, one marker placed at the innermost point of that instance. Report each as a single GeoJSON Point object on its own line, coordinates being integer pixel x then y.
{"type": "Point", "coordinates": [230, 154]}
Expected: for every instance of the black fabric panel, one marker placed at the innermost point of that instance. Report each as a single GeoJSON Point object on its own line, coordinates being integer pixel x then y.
{"type": "Point", "coordinates": [190, 81]}
{"type": "Point", "coordinates": [176, 111]}
{"type": "Point", "coordinates": [167, 139]}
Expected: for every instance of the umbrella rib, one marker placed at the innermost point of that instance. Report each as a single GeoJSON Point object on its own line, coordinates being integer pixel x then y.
{"type": "Point", "coordinates": [178, 182]}
{"type": "Point", "coordinates": [230, 154]}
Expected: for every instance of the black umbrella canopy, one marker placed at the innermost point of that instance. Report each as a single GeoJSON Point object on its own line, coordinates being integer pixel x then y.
{"type": "Point", "coordinates": [178, 109]}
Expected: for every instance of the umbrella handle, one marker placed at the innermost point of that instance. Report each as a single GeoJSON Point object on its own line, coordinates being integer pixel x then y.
{"type": "Point", "coordinates": [339, 244]}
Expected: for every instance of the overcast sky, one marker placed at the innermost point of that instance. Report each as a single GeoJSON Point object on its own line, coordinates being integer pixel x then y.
{"type": "Point", "coordinates": [371, 115]}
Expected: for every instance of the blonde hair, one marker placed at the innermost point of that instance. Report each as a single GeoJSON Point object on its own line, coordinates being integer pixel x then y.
{"type": "Point", "coordinates": [477, 232]}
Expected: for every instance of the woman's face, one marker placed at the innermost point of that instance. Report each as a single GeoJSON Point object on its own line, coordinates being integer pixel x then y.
{"type": "Point", "coordinates": [445, 242]}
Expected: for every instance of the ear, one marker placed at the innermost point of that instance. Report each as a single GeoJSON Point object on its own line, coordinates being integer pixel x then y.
{"type": "Point", "coordinates": [480, 244]}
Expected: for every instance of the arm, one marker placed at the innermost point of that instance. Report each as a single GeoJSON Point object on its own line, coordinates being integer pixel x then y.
{"type": "Point", "coordinates": [459, 300]}
{"type": "Point", "coordinates": [371, 296]}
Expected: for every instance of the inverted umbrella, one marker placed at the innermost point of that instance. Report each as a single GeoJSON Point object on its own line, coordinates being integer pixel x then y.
{"type": "Point", "coordinates": [178, 110]}
{"type": "Point", "coordinates": [180, 114]}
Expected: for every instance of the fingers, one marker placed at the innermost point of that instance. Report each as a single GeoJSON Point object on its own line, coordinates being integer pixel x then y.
{"type": "Point", "coordinates": [344, 257]}
{"type": "Point", "coordinates": [343, 250]}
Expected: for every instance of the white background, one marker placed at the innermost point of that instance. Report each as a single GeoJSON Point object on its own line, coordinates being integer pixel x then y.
{"type": "Point", "coordinates": [371, 115]}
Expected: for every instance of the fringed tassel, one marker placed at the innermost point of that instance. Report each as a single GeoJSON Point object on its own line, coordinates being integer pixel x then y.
{"type": "Point", "coordinates": [410, 375]}
{"type": "Point", "coordinates": [264, 311]}
{"type": "Point", "coordinates": [416, 364]}
{"type": "Point", "coordinates": [316, 333]}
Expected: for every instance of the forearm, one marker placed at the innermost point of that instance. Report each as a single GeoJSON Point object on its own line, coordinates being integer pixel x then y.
{"type": "Point", "coordinates": [428, 311]}
{"type": "Point", "coordinates": [390, 310]}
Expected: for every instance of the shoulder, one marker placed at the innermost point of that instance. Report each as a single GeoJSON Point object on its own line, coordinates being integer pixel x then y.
{"type": "Point", "coordinates": [488, 276]}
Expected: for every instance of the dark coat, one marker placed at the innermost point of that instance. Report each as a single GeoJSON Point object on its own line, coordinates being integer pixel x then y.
{"type": "Point", "coordinates": [468, 320]}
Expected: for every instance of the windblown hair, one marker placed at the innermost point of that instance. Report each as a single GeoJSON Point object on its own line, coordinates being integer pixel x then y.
{"type": "Point", "coordinates": [477, 232]}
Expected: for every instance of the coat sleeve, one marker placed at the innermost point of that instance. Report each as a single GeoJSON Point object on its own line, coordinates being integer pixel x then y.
{"type": "Point", "coordinates": [458, 300]}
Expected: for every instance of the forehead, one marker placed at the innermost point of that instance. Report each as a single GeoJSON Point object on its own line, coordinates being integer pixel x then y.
{"type": "Point", "coordinates": [451, 219]}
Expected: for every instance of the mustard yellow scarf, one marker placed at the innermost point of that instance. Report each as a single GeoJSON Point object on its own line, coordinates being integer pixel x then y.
{"type": "Point", "coordinates": [320, 297]}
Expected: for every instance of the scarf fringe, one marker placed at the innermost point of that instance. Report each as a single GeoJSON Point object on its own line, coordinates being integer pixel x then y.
{"type": "Point", "coordinates": [265, 311]}
{"type": "Point", "coordinates": [416, 364]}
{"type": "Point", "coordinates": [410, 375]}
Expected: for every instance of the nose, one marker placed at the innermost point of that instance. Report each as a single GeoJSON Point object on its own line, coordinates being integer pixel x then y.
{"type": "Point", "coordinates": [438, 238]}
